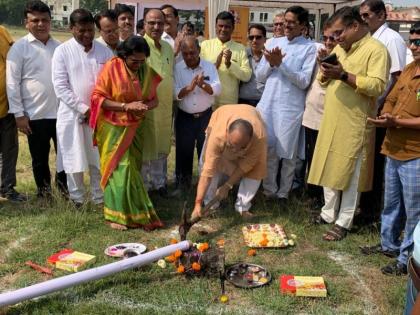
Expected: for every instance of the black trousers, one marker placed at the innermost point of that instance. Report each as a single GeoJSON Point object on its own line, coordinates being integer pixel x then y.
{"type": "Point", "coordinates": [43, 131]}
{"type": "Point", "coordinates": [9, 149]}
{"type": "Point", "coordinates": [371, 201]}
{"type": "Point", "coordinates": [189, 135]}
{"type": "Point", "coordinates": [311, 135]}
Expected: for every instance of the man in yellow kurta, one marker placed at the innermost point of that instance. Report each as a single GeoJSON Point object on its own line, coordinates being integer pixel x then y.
{"type": "Point", "coordinates": [158, 123]}
{"type": "Point", "coordinates": [235, 150]}
{"type": "Point", "coordinates": [8, 133]}
{"type": "Point", "coordinates": [343, 157]}
{"type": "Point", "coordinates": [229, 57]}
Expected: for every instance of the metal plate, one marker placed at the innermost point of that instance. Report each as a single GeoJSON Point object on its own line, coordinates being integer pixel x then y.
{"type": "Point", "coordinates": [244, 275]}
{"type": "Point", "coordinates": [118, 250]}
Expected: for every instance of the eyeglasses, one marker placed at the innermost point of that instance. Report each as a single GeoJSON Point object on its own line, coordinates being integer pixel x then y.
{"type": "Point", "coordinates": [278, 24]}
{"type": "Point", "coordinates": [326, 38]}
{"type": "Point", "coordinates": [256, 37]}
{"type": "Point", "coordinates": [153, 23]}
{"type": "Point", "coordinates": [415, 42]}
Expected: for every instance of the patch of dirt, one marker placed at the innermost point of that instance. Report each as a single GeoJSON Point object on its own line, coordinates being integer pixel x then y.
{"type": "Point", "coordinates": [7, 281]}
{"type": "Point", "coordinates": [4, 254]}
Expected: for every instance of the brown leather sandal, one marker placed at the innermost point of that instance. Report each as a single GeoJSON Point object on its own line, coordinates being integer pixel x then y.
{"type": "Point", "coordinates": [337, 233]}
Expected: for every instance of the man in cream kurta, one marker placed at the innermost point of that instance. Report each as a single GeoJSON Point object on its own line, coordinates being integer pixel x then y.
{"type": "Point", "coordinates": [229, 57]}
{"type": "Point", "coordinates": [75, 67]}
{"type": "Point", "coordinates": [343, 154]}
{"type": "Point", "coordinates": [158, 122]}
{"type": "Point", "coordinates": [232, 153]}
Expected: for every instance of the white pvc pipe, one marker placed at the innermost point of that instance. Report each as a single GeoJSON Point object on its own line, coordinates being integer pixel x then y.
{"type": "Point", "coordinates": [13, 297]}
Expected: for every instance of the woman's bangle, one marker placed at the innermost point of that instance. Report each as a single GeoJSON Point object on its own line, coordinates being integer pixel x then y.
{"type": "Point", "coordinates": [199, 201]}
{"type": "Point", "coordinates": [123, 107]}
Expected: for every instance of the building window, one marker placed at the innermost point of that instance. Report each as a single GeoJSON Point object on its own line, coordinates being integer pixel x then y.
{"type": "Point", "coordinates": [265, 17]}
{"type": "Point", "coordinates": [65, 21]}
{"type": "Point", "coordinates": [51, 7]}
{"type": "Point", "coordinates": [251, 18]}
{"type": "Point", "coordinates": [64, 8]}
{"type": "Point", "coordinates": [261, 17]}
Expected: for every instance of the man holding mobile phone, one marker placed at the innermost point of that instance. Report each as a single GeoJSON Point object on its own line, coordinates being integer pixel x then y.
{"type": "Point", "coordinates": [343, 157]}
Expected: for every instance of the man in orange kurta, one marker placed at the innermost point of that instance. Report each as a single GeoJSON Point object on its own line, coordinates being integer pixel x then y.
{"type": "Point", "coordinates": [235, 151]}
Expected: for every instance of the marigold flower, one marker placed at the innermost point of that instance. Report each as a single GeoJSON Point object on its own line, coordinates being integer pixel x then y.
{"type": "Point", "coordinates": [173, 241]}
{"type": "Point", "coordinates": [180, 269]}
{"type": "Point", "coordinates": [178, 253]}
{"type": "Point", "coordinates": [203, 247]}
{"type": "Point", "coordinates": [220, 243]}
{"type": "Point", "coordinates": [196, 266]}
{"type": "Point", "coordinates": [264, 242]}
{"type": "Point", "coordinates": [171, 258]}
{"type": "Point", "coordinates": [252, 252]}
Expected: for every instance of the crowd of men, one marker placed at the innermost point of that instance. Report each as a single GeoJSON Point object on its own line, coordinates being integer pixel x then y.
{"type": "Point", "coordinates": [334, 111]}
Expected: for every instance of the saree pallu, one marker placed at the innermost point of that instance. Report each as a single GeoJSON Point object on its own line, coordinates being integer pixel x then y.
{"type": "Point", "coordinates": [118, 136]}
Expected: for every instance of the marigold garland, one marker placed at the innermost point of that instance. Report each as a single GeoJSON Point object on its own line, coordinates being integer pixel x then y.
{"type": "Point", "coordinates": [170, 258]}
{"type": "Point", "coordinates": [178, 253]}
{"type": "Point", "coordinates": [173, 241]}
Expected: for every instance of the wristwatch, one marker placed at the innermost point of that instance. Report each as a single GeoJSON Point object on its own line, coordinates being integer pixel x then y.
{"type": "Point", "coordinates": [344, 76]}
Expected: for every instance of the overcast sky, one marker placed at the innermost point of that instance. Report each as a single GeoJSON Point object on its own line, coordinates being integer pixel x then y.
{"type": "Point", "coordinates": [404, 3]}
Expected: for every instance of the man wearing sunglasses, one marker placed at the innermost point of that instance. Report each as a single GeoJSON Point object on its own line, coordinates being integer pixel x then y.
{"type": "Point", "coordinates": [278, 27]}
{"type": "Point", "coordinates": [401, 118]}
{"type": "Point", "coordinates": [373, 12]}
{"type": "Point", "coordinates": [250, 92]}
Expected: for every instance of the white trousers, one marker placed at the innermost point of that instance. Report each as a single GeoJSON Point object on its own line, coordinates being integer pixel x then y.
{"type": "Point", "coordinates": [287, 174]}
{"type": "Point", "coordinates": [247, 190]}
{"type": "Point", "coordinates": [77, 189]}
{"type": "Point", "coordinates": [154, 172]}
{"type": "Point", "coordinates": [340, 206]}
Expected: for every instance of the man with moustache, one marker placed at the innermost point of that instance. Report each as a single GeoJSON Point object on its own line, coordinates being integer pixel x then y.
{"type": "Point", "coordinates": [373, 12]}
{"type": "Point", "coordinates": [401, 213]}
{"type": "Point", "coordinates": [125, 17]}
{"type": "Point", "coordinates": [229, 57]}
{"type": "Point", "coordinates": [107, 24]}
{"type": "Point", "coordinates": [343, 157]}
{"type": "Point", "coordinates": [250, 92]}
{"type": "Point", "coordinates": [171, 34]}
{"type": "Point", "coordinates": [158, 122]}
{"type": "Point", "coordinates": [31, 94]}
{"type": "Point", "coordinates": [286, 69]}
{"type": "Point", "coordinates": [75, 66]}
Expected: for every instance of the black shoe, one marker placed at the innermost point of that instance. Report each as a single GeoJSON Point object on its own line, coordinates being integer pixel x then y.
{"type": "Point", "coordinates": [13, 195]}
{"type": "Point", "coordinates": [283, 202]}
{"type": "Point", "coordinates": [377, 249]}
{"type": "Point", "coordinates": [163, 192]}
{"type": "Point", "coordinates": [395, 269]}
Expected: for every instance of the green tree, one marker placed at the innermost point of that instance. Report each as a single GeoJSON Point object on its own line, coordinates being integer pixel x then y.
{"type": "Point", "coordinates": [94, 6]}
{"type": "Point", "coordinates": [11, 12]}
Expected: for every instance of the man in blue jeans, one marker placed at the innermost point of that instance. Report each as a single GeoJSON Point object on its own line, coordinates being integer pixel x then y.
{"type": "Point", "coordinates": [401, 146]}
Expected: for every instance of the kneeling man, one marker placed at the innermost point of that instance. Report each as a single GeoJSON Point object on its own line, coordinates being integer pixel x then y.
{"type": "Point", "coordinates": [235, 150]}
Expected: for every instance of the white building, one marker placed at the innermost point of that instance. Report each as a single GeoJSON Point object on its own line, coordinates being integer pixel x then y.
{"type": "Point", "coordinates": [61, 10]}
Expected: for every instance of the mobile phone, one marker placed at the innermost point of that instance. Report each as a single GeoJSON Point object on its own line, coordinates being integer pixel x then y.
{"type": "Point", "coordinates": [206, 78]}
{"type": "Point", "coordinates": [331, 59]}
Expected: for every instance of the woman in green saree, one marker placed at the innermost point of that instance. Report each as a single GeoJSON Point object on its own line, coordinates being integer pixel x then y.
{"type": "Point", "coordinates": [124, 92]}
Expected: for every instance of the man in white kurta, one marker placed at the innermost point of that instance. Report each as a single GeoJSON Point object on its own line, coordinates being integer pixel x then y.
{"type": "Point", "coordinates": [287, 68]}
{"type": "Point", "coordinates": [75, 66]}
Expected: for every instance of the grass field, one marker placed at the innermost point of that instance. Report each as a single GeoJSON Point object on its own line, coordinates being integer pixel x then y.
{"type": "Point", "coordinates": [36, 229]}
